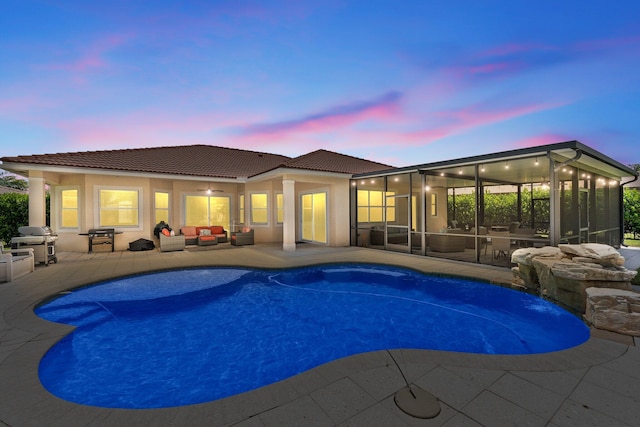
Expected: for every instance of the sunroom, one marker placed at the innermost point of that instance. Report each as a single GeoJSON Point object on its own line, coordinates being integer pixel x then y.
{"type": "Point", "coordinates": [480, 209]}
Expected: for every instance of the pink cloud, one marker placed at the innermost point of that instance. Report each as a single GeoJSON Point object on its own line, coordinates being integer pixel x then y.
{"type": "Point", "coordinates": [383, 107]}
{"type": "Point", "coordinates": [397, 133]}
{"type": "Point", "coordinates": [93, 56]}
{"type": "Point", "coordinates": [146, 128]}
{"type": "Point", "coordinates": [490, 68]}
{"type": "Point", "coordinates": [24, 105]}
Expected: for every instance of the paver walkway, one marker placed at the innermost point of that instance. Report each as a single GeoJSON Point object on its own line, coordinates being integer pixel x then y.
{"type": "Point", "coordinates": [597, 383]}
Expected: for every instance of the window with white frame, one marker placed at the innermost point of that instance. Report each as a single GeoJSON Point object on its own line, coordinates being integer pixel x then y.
{"type": "Point", "coordinates": [259, 208]}
{"type": "Point", "coordinates": [69, 208]}
{"type": "Point", "coordinates": [371, 206]}
{"type": "Point", "coordinates": [279, 208]}
{"type": "Point", "coordinates": [161, 207]}
{"type": "Point", "coordinates": [119, 207]}
{"type": "Point", "coordinates": [241, 208]}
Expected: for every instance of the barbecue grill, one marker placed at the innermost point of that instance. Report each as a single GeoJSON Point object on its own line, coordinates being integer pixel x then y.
{"type": "Point", "coordinates": [41, 239]}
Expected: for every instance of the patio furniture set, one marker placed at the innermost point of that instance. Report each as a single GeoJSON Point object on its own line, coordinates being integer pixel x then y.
{"type": "Point", "coordinates": [203, 236]}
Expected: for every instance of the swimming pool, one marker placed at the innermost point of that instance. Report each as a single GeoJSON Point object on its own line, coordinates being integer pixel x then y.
{"type": "Point", "coordinates": [189, 336]}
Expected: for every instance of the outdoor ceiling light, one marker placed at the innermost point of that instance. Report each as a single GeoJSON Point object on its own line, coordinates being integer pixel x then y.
{"type": "Point", "coordinates": [544, 185]}
{"type": "Point", "coordinates": [209, 190]}
{"type": "Point", "coordinates": [481, 168]}
{"type": "Point", "coordinates": [427, 188]}
{"type": "Point", "coordinates": [536, 161]}
{"type": "Point", "coordinates": [506, 166]}
{"type": "Point", "coordinates": [460, 172]}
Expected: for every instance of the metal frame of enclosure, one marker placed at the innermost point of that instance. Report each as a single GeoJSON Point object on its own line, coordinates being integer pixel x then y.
{"type": "Point", "coordinates": [479, 209]}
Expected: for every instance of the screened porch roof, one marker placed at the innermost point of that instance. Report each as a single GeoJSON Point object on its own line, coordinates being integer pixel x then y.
{"type": "Point", "coordinates": [520, 166]}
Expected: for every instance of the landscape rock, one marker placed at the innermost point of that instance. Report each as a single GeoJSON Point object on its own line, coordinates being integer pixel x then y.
{"type": "Point", "coordinates": [564, 273]}
{"type": "Point", "coordinates": [525, 255]}
{"type": "Point", "coordinates": [613, 310]}
{"type": "Point", "coordinates": [599, 253]}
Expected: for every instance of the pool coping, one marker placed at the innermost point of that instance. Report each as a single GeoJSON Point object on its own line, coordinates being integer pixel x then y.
{"type": "Point", "coordinates": [365, 382]}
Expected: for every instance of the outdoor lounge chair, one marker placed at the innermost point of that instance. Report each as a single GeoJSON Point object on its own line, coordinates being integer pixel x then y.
{"type": "Point", "coordinates": [243, 237]}
{"type": "Point", "coordinates": [15, 263]}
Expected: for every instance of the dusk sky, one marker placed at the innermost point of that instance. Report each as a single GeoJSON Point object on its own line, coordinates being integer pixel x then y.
{"type": "Point", "coordinates": [399, 82]}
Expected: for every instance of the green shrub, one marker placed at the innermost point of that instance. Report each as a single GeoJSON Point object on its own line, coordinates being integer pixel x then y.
{"type": "Point", "coordinates": [14, 213]}
{"type": "Point", "coordinates": [631, 209]}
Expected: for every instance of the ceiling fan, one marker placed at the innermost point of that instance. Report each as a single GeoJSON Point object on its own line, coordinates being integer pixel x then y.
{"type": "Point", "coordinates": [209, 190]}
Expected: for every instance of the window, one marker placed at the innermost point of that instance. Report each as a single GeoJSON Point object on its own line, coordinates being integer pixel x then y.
{"type": "Point", "coordinates": [391, 206]}
{"type": "Point", "coordinates": [259, 208]}
{"type": "Point", "coordinates": [371, 206]}
{"type": "Point", "coordinates": [434, 204]}
{"type": "Point", "coordinates": [69, 208]}
{"type": "Point", "coordinates": [162, 207]}
{"type": "Point", "coordinates": [208, 210]}
{"type": "Point", "coordinates": [414, 213]}
{"type": "Point", "coordinates": [119, 208]}
{"type": "Point", "coordinates": [241, 208]}
{"type": "Point", "coordinates": [279, 208]}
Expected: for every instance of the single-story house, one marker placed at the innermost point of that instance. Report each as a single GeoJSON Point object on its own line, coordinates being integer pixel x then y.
{"type": "Point", "coordinates": [564, 192]}
{"type": "Point", "coordinates": [283, 199]}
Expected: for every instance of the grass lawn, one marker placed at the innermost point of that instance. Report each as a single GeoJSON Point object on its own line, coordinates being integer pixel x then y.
{"type": "Point", "coordinates": [633, 243]}
{"type": "Point", "coordinates": [630, 241]}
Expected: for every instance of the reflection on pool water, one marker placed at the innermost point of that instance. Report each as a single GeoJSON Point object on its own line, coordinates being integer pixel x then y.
{"type": "Point", "coordinates": [189, 336]}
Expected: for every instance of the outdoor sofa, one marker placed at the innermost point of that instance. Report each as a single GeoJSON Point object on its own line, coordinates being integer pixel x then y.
{"type": "Point", "coordinates": [192, 234]}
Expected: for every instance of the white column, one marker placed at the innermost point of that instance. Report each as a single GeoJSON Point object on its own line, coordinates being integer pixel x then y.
{"type": "Point", "coordinates": [37, 204]}
{"type": "Point", "coordinates": [289, 225]}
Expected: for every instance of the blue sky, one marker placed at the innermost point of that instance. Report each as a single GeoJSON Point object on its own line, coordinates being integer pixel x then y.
{"type": "Point", "coordinates": [397, 82]}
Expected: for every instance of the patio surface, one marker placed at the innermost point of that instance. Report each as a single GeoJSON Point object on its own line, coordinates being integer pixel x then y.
{"type": "Point", "coordinates": [595, 384]}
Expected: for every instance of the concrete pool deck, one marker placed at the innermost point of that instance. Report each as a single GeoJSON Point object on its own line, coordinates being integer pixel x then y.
{"type": "Point", "coordinates": [597, 383]}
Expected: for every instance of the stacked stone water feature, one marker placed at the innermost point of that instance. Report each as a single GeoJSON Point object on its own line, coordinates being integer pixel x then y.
{"type": "Point", "coordinates": [588, 278]}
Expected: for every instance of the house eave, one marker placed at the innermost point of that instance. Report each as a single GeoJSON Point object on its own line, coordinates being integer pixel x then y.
{"type": "Point", "coordinates": [24, 168]}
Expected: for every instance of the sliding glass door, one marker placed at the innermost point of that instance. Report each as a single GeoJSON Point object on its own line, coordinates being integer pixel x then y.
{"type": "Point", "coordinates": [314, 217]}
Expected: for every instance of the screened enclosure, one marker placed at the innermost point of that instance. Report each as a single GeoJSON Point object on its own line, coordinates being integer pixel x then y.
{"type": "Point", "coordinates": [481, 209]}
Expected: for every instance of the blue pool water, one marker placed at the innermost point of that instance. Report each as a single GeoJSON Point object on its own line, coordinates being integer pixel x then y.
{"type": "Point", "coordinates": [182, 337]}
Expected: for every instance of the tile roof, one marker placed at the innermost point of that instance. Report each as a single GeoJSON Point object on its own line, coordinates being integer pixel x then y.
{"type": "Point", "coordinates": [192, 160]}
{"type": "Point", "coordinates": [329, 161]}
{"type": "Point", "coordinates": [199, 160]}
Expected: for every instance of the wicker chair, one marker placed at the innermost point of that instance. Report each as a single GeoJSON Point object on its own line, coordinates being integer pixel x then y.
{"type": "Point", "coordinates": [241, 238]}
{"type": "Point", "coordinates": [171, 243]}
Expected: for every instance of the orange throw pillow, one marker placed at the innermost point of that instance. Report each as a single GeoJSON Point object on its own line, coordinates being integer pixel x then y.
{"type": "Point", "coordinates": [166, 232]}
